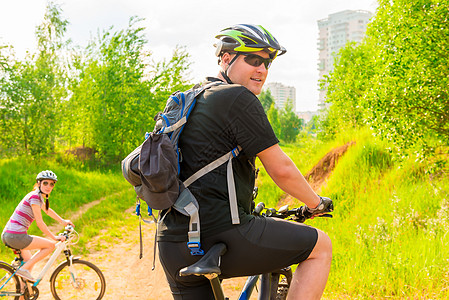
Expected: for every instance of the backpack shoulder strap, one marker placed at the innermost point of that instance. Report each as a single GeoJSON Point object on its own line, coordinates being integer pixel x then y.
{"type": "Point", "coordinates": [200, 89]}
{"type": "Point", "coordinates": [185, 98]}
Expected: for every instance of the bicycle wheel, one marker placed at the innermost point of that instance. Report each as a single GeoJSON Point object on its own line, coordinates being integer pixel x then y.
{"type": "Point", "coordinates": [10, 285]}
{"type": "Point", "coordinates": [82, 280]}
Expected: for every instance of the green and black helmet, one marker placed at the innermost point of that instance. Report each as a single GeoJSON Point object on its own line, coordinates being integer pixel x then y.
{"type": "Point", "coordinates": [247, 38]}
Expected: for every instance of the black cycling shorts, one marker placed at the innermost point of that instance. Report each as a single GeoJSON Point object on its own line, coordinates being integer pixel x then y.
{"type": "Point", "coordinates": [261, 246]}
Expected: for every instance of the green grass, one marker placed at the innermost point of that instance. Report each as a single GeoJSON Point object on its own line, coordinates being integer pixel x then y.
{"type": "Point", "coordinates": [389, 230]}
{"type": "Point", "coordinates": [390, 225]}
{"type": "Point", "coordinates": [106, 220]}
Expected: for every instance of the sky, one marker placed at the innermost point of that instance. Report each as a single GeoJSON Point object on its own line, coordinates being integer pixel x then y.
{"type": "Point", "coordinates": [193, 24]}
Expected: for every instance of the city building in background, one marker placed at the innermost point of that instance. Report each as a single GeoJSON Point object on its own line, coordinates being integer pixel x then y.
{"type": "Point", "coordinates": [306, 115]}
{"type": "Point", "coordinates": [281, 93]}
{"type": "Point", "coordinates": [334, 32]}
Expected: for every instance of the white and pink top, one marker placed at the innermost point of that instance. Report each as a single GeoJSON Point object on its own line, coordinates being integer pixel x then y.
{"type": "Point", "coordinates": [23, 216]}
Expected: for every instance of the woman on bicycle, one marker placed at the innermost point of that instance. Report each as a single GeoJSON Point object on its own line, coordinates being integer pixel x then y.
{"type": "Point", "coordinates": [15, 233]}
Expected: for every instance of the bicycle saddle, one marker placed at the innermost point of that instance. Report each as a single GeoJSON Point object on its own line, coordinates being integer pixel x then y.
{"type": "Point", "coordinates": [209, 264]}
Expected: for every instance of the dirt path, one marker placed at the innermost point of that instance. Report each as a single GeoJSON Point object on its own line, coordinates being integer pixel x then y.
{"type": "Point", "coordinates": [318, 175]}
{"type": "Point", "coordinates": [129, 277]}
{"type": "Point", "coordinates": [323, 169]}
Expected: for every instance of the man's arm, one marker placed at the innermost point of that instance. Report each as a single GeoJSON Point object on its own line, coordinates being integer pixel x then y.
{"type": "Point", "coordinates": [287, 176]}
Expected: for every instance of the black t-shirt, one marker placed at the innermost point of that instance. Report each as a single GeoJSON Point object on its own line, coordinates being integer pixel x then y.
{"type": "Point", "coordinates": [224, 116]}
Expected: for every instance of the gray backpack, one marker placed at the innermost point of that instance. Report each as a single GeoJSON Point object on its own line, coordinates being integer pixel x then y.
{"type": "Point", "coordinates": [153, 168]}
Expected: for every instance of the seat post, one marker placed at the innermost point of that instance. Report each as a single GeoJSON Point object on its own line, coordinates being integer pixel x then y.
{"type": "Point", "coordinates": [265, 286]}
{"type": "Point", "coordinates": [17, 262]}
{"type": "Point", "coordinates": [217, 289]}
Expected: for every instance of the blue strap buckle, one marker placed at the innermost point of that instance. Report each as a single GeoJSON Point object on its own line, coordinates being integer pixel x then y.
{"type": "Point", "coordinates": [235, 152]}
{"type": "Point", "coordinates": [150, 210]}
{"type": "Point", "coordinates": [195, 248]}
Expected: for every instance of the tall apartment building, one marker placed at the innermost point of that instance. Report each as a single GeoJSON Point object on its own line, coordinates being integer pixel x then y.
{"type": "Point", "coordinates": [334, 32]}
{"type": "Point", "coordinates": [281, 93]}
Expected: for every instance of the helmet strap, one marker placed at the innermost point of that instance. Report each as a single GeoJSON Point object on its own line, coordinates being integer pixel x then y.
{"type": "Point", "coordinates": [226, 77]}
{"type": "Point", "coordinates": [225, 73]}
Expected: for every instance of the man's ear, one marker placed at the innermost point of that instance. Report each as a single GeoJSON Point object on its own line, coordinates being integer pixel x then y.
{"type": "Point", "coordinates": [225, 58]}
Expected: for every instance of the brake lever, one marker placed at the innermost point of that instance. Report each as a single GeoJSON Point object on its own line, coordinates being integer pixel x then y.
{"type": "Point", "coordinates": [326, 216]}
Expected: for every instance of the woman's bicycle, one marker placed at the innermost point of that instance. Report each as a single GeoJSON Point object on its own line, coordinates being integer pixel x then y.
{"type": "Point", "coordinates": [273, 286]}
{"type": "Point", "coordinates": [72, 279]}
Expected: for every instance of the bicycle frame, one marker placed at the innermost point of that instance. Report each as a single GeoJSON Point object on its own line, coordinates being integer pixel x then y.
{"type": "Point", "coordinates": [248, 288]}
{"type": "Point", "coordinates": [59, 247]}
{"type": "Point", "coordinates": [3, 294]}
{"type": "Point", "coordinates": [268, 286]}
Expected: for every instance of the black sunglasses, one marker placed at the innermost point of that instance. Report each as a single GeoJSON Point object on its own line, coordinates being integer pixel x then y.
{"type": "Point", "coordinates": [45, 183]}
{"type": "Point", "coordinates": [256, 60]}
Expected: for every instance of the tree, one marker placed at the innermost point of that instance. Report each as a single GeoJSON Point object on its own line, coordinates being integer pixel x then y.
{"type": "Point", "coordinates": [397, 80]}
{"type": "Point", "coordinates": [350, 80]}
{"type": "Point", "coordinates": [290, 123]}
{"type": "Point", "coordinates": [273, 118]}
{"type": "Point", "coordinates": [266, 99]}
{"type": "Point", "coordinates": [33, 90]}
{"type": "Point", "coordinates": [4, 60]}
{"type": "Point", "coordinates": [409, 104]}
{"type": "Point", "coordinates": [119, 91]}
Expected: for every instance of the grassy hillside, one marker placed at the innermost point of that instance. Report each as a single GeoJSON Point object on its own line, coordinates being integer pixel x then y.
{"type": "Point", "coordinates": [389, 229]}
{"type": "Point", "coordinates": [304, 153]}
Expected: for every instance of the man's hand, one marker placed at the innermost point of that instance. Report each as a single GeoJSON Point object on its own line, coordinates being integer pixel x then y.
{"type": "Point", "coordinates": [323, 208]}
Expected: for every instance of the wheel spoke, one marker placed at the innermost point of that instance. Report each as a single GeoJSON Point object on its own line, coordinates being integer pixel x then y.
{"type": "Point", "coordinates": [82, 280]}
{"type": "Point", "coordinates": [10, 285]}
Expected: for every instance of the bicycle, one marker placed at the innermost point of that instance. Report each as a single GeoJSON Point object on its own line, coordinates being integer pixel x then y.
{"type": "Point", "coordinates": [72, 279]}
{"type": "Point", "coordinates": [273, 285]}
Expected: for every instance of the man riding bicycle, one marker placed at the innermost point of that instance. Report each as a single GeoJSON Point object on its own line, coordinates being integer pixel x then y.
{"type": "Point", "coordinates": [226, 116]}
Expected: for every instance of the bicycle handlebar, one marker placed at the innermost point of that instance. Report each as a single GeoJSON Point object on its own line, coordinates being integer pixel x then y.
{"type": "Point", "coordinates": [69, 231]}
{"type": "Point", "coordinates": [297, 214]}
